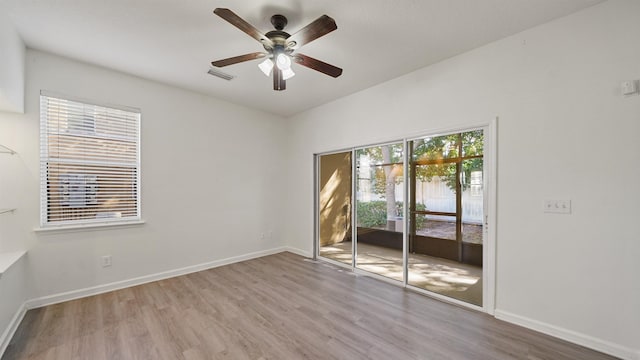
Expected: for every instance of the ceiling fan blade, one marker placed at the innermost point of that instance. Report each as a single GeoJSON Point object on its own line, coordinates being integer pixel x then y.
{"type": "Point", "coordinates": [238, 59]}
{"type": "Point", "coordinates": [247, 28]}
{"type": "Point", "coordinates": [317, 65]}
{"type": "Point", "coordinates": [279, 83]}
{"type": "Point", "coordinates": [320, 27]}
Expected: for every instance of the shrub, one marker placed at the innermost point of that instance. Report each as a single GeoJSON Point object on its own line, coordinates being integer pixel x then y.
{"type": "Point", "coordinates": [373, 214]}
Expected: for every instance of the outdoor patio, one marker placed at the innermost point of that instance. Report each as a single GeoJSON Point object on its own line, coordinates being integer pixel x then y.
{"type": "Point", "coordinates": [445, 277]}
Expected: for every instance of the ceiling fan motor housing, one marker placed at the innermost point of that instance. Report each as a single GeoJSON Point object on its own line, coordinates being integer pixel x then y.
{"type": "Point", "coordinates": [278, 36]}
{"type": "Point", "coordinates": [279, 21]}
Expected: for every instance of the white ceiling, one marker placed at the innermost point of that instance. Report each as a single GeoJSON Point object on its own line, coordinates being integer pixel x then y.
{"type": "Point", "coordinates": [174, 41]}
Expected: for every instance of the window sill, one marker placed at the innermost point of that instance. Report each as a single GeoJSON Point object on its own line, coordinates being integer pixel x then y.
{"type": "Point", "coordinates": [8, 259]}
{"type": "Point", "coordinates": [88, 227]}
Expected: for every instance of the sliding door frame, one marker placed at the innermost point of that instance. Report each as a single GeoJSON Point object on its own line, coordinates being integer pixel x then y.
{"type": "Point", "coordinates": [490, 130]}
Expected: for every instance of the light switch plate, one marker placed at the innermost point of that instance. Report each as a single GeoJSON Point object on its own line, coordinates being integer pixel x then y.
{"type": "Point", "coordinates": [557, 206]}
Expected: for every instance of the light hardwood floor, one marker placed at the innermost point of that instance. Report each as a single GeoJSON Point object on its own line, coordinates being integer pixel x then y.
{"type": "Point", "coordinates": [276, 307]}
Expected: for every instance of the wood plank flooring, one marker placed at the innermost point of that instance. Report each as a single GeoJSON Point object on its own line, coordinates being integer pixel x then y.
{"type": "Point", "coordinates": [276, 307]}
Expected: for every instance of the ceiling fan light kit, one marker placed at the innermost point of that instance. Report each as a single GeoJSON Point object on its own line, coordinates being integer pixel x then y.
{"type": "Point", "coordinates": [280, 47]}
{"type": "Point", "coordinates": [266, 66]}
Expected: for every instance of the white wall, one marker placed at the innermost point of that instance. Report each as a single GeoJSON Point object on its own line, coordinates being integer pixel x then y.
{"type": "Point", "coordinates": [194, 149]}
{"type": "Point", "coordinates": [12, 66]}
{"type": "Point", "coordinates": [565, 132]}
{"type": "Point", "coordinates": [13, 285]}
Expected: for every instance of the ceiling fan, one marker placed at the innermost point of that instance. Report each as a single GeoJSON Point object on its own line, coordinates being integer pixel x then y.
{"type": "Point", "coordinates": [280, 47]}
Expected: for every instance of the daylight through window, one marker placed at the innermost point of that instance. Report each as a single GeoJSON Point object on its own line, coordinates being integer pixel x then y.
{"type": "Point", "coordinates": [89, 162]}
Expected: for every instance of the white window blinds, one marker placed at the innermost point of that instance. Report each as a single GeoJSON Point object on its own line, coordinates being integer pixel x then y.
{"type": "Point", "coordinates": [89, 162]}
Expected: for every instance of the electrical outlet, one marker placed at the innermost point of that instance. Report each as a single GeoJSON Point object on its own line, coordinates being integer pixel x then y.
{"type": "Point", "coordinates": [557, 206]}
{"type": "Point", "coordinates": [106, 261]}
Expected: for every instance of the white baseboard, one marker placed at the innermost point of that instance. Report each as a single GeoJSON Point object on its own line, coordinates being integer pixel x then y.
{"type": "Point", "coordinates": [99, 289]}
{"type": "Point", "coordinates": [11, 329]}
{"type": "Point", "coordinates": [297, 251]}
{"type": "Point", "coordinates": [571, 336]}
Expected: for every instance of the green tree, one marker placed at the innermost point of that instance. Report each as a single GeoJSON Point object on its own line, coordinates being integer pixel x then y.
{"type": "Point", "coordinates": [386, 162]}
{"type": "Point", "coordinates": [387, 170]}
{"type": "Point", "coordinates": [436, 150]}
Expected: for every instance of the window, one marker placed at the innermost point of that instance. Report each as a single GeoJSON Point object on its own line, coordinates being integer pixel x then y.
{"type": "Point", "coordinates": [89, 162]}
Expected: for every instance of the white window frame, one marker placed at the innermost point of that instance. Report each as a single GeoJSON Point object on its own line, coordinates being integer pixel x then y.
{"type": "Point", "coordinates": [99, 221]}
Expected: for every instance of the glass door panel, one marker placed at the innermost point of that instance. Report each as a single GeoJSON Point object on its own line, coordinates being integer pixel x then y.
{"type": "Point", "coordinates": [473, 213]}
{"type": "Point", "coordinates": [334, 201]}
{"type": "Point", "coordinates": [379, 198]}
{"type": "Point", "coordinates": [472, 201]}
{"type": "Point", "coordinates": [445, 238]}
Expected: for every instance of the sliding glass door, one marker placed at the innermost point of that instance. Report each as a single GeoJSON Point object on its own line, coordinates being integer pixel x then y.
{"type": "Point", "coordinates": [436, 243]}
{"type": "Point", "coordinates": [379, 209]}
{"type": "Point", "coordinates": [446, 215]}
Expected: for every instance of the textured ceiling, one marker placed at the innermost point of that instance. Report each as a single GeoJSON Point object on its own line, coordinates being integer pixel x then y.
{"type": "Point", "coordinates": [174, 41]}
